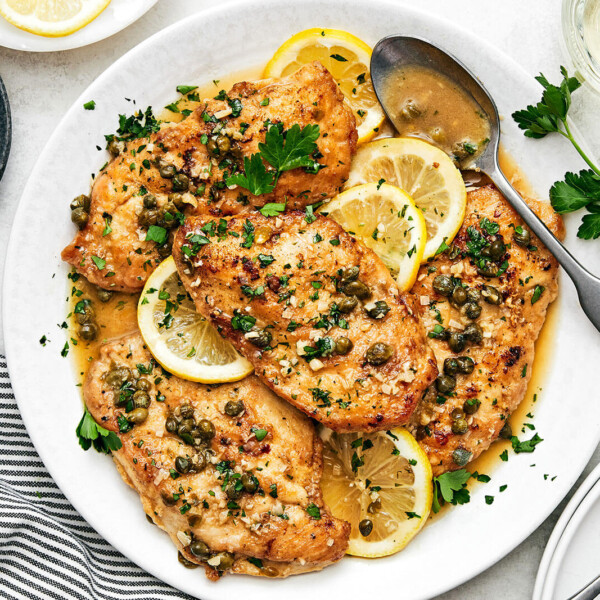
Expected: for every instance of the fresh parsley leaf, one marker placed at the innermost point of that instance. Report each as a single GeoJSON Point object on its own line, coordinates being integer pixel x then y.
{"type": "Point", "coordinates": [242, 322]}
{"type": "Point", "coordinates": [255, 561]}
{"type": "Point", "coordinates": [272, 209]}
{"type": "Point", "coordinates": [260, 434]}
{"type": "Point", "coordinates": [186, 89]}
{"type": "Point", "coordinates": [99, 262]}
{"type": "Point", "coordinates": [173, 107]}
{"type": "Point", "coordinates": [526, 446]}
{"type": "Point", "coordinates": [450, 487]}
{"type": "Point", "coordinates": [256, 179]}
{"type": "Point", "coordinates": [289, 150]}
{"type": "Point", "coordinates": [91, 434]}
{"type": "Point", "coordinates": [537, 293]}
{"type": "Point", "coordinates": [91, 105]}
{"type": "Point", "coordinates": [156, 234]}
{"type": "Point", "coordinates": [575, 192]}
{"type": "Point", "coordinates": [590, 227]}
{"type": "Point", "coordinates": [339, 57]}
{"type": "Point", "coordinates": [313, 511]}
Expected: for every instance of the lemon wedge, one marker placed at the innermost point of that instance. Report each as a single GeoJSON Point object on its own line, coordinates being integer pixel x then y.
{"type": "Point", "coordinates": [181, 340]}
{"type": "Point", "coordinates": [347, 58]}
{"type": "Point", "coordinates": [385, 219]}
{"type": "Point", "coordinates": [381, 484]}
{"type": "Point", "coordinates": [51, 18]}
{"type": "Point", "coordinates": [426, 173]}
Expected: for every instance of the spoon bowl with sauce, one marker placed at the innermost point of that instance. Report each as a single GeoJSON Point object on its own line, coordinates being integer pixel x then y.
{"type": "Point", "coordinates": [427, 93]}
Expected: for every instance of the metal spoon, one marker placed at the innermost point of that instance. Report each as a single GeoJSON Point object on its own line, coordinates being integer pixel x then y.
{"type": "Point", "coordinates": [395, 51]}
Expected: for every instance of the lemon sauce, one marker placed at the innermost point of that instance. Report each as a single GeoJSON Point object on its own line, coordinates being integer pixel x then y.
{"type": "Point", "coordinates": [425, 104]}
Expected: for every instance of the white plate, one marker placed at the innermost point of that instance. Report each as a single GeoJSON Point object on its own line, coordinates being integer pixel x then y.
{"type": "Point", "coordinates": [570, 560]}
{"type": "Point", "coordinates": [451, 550]}
{"type": "Point", "coordinates": [116, 16]}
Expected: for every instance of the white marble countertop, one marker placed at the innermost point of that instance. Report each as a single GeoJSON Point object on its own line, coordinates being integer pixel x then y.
{"type": "Point", "coordinates": [41, 87]}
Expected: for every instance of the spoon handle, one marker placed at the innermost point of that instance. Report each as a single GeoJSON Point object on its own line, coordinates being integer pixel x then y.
{"type": "Point", "coordinates": [587, 285]}
{"type": "Point", "coordinates": [589, 592]}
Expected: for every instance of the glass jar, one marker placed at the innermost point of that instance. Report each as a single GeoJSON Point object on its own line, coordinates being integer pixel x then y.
{"type": "Point", "coordinates": [581, 39]}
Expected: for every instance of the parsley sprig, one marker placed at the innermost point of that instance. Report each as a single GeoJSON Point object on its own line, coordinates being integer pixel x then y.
{"type": "Point", "coordinates": [283, 151]}
{"type": "Point", "coordinates": [92, 434]}
{"type": "Point", "coordinates": [577, 190]}
{"type": "Point", "coordinates": [450, 487]}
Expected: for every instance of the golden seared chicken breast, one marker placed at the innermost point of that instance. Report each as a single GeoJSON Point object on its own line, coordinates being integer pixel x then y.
{"type": "Point", "coordinates": [483, 304]}
{"type": "Point", "coordinates": [230, 471]}
{"type": "Point", "coordinates": [314, 310]}
{"type": "Point", "coordinates": [183, 169]}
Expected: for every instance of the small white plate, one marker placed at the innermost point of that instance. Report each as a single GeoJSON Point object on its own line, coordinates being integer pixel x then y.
{"type": "Point", "coordinates": [570, 560]}
{"type": "Point", "coordinates": [116, 16]}
{"type": "Point", "coordinates": [206, 46]}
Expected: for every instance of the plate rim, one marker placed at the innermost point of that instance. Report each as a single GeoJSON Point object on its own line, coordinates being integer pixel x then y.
{"type": "Point", "coordinates": [417, 13]}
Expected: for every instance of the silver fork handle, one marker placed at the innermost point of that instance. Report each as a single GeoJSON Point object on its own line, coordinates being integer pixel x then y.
{"type": "Point", "coordinates": [590, 592]}
{"type": "Point", "coordinates": [587, 285]}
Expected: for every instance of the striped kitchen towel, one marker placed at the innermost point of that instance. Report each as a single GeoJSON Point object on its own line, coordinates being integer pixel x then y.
{"type": "Point", "coordinates": [47, 550]}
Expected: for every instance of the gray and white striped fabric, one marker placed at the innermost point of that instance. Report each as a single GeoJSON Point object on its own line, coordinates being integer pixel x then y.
{"type": "Point", "coordinates": [47, 550]}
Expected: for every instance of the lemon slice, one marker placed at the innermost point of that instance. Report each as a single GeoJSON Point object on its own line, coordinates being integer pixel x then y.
{"type": "Point", "coordinates": [181, 340]}
{"type": "Point", "coordinates": [347, 58]}
{"type": "Point", "coordinates": [384, 218]}
{"type": "Point", "coordinates": [426, 173]}
{"type": "Point", "coordinates": [51, 18]}
{"type": "Point", "coordinates": [384, 478]}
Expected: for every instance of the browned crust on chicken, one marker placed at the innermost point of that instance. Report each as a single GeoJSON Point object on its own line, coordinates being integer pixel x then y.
{"type": "Point", "coordinates": [289, 457]}
{"type": "Point", "coordinates": [292, 299]}
{"type": "Point", "coordinates": [503, 361]}
{"type": "Point", "coordinates": [309, 96]}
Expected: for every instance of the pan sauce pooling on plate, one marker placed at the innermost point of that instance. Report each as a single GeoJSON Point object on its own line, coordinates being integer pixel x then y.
{"type": "Point", "coordinates": [233, 471]}
{"type": "Point", "coordinates": [426, 104]}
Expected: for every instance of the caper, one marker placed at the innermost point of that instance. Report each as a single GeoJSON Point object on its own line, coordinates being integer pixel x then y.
{"type": "Point", "coordinates": [194, 520]}
{"type": "Point", "coordinates": [149, 519]}
{"type": "Point", "coordinates": [262, 234]}
{"type": "Point", "coordinates": [470, 407]}
{"type": "Point", "coordinates": [88, 331]}
{"type": "Point", "coordinates": [269, 571]}
{"type": "Point", "coordinates": [460, 426]}
{"type": "Point", "coordinates": [141, 399]}
{"type": "Point", "coordinates": [457, 413]}
{"type": "Point", "coordinates": [143, 384]}
{"type": "Point", "coordinates": [349, 274]}
{"type": "Point", "coordinates": [181, 183]}
{"type": "Point", "coordinates": [379, 354]}
{"type": "Point", "coordinates": [262, 339]}
{"type": "Point", "coordinates": [115, 147]}
{"type": "Point", "coordinates": [378, 311]}
{"type": "Point", "coordinates": [445, 384]}
{"type": "Point", "coordinates": [167, 171]}
{"type": "Point", "coordinates": [492, 295]}
{"type": "Point", "coordinates": [356, 288]}
{"type": "Point", "coordinates": [201, 460]}
{"type": "Point", "coordinates": [171, 425]}
{"type": "Point", "coordinates": [185, 426]}
{"type": "Point", "coordinates": [374, 506]}
{"type": "Point", "coordinates": [343, 345]}
{"type": "Point", "coordinates": [410, 110]}
{"type": "Point", "coordinates": [224, 144]}
{"type": "Point", "coordinates": [81, 201]}
{"type": "Point", "coordinates": [207, 429]}
{"type": "Point", "coordinates": [226, 561]}
{"type": "Point", "coordinates": [442, 284]}
{"type": "Point", "coordinates": [249, 482]}
{"type": "Point", "coordinates": [472, 310]}
{"type": "Point", "coordinates": [347, 305]}
{"type": "Point", "coordinates": [233, 493]}
{"type": "Point", "coordinates": [86, 314]}
{"type": "Point", "coordinates": [104, 295]}
{"type": "Point", "coordinates": [186, 411]}
{"type": "Point", "coordinates": [461, 457]}
{"type": "Point", "coordinates": [487, 270]}
{"type": "Point", "coordinates": [437, 135]}
{"type": "Point", "coordinates": [365, 527]}
{"type": "Point", "coordinates": [497, 249]}
{"type": "Point", "coordinates": [166, 216]}
{"type": "Point", "coordinates": [212, 147]}
{"type": "Point", "coordinates": [137, 415]}
{"type": "Point", "coordinates": [506, 431]}
{"type": "Point", "coordinates": [459, 295]}
{"type": "Point", "coordinates": [80, 217]}
{"type": "Point", "coordinates": [168, 499]}
{"type": "Point", "coordinates": [456, 341]}
{"type": "Point", "coordinates": [150, 201]}
{"type": "Point", "coordinates": [188, 564]}
{"type": "Point", "coordinates": [522, 238]}
{"type": "Point", "coordinates": [473, 333]}
{"type": "Point", "coordinates": [177, 199]}
{"type": "Point", "coordinates": [182, 464]}
{"type": "Point", "coordinates": [465, 364]}
{"type": "Point", "coordinates": [421, 433]}
{"type": "Point", "coordinates": [200, 550]}
{"type": "Point", "coordinates": [234, 407]}
{"type": "Point", "coordinates": [450, 366]}
{"type": "Point", "coordinates": [117, 376]}
{"type": "Point", "coordinates": [148, 217]}
{"type": "Point", "coordinates": [473, 295]}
